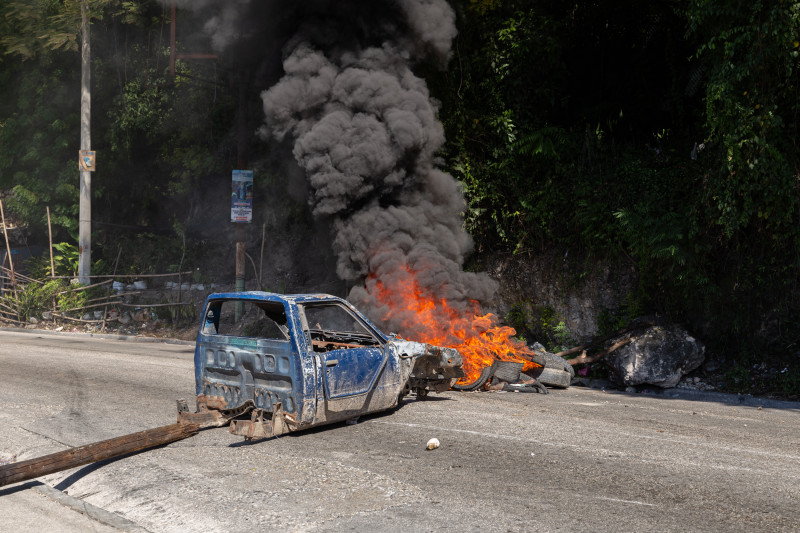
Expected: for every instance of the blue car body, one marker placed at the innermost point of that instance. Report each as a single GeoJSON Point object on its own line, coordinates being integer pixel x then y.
{"type": "Point", "coordinates": [307, 359]}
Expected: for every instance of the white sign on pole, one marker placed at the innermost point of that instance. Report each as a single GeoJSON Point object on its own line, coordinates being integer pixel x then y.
{"type": "Point", "coordinates": [242, 196]}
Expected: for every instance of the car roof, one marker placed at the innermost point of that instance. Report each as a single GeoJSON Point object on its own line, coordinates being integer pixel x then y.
{"type": "Point", "coordinates": [274, 297]}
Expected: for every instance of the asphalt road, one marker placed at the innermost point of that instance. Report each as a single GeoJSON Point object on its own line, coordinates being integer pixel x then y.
{"type": "Point", "coordinates": [572, 460]}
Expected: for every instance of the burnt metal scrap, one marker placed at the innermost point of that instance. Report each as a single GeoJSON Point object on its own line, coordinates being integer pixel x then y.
{"type": "Point", "coordinates": [298, 361]}
{"type": "Point", "coordinates": [434, 369]}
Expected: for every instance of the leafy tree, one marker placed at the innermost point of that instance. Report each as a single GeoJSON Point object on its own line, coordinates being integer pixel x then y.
{"type": "Point", "coordinates": [37, 118]}
{"type": "Point", "coordinates": [750, 50]}
{"type": "Point", "coordinates": [158, 138]}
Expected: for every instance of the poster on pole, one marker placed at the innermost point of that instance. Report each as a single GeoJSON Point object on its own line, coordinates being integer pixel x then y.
{"type": "Point", "coordinates": [86, 160]}
{"type": "Point", "coordinates": [242, 196]}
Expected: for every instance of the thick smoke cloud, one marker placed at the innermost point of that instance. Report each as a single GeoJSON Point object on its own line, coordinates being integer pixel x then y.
{"type": "Point", "coordinates": [364, 130]}
{"type": "Point", "coordinates": [433, 23]}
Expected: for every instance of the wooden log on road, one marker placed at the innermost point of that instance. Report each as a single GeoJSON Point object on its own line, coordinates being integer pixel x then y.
{"type": "Point", "coordinates": [91, 453]}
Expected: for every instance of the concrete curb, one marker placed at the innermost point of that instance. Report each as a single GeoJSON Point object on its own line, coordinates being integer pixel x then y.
{"type": "Point", "coordinates": [95, 513]}
{"type": "Point", "coordinates": [108, 336]}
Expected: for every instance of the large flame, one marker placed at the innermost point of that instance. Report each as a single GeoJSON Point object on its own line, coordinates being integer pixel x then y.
{"type": "Point", "coordinates": [421, 317]}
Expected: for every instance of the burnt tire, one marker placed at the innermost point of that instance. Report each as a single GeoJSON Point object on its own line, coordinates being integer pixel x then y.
{"type": "Point", "coordinates": [557, 372]}
{"type": "Point", "coordinates": [507, 371]}
{"type": "Point", "coordinates": [486, 373]}
{"type": "Point", "coordinates": [555, 378]}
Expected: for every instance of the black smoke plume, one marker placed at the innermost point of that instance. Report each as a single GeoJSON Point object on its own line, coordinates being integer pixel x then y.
{"type": "Point", "coordinates": [363, 127]}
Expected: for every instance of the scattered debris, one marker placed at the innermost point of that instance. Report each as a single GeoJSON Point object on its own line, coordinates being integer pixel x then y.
{"type": "Point", "coordinates": [695, 383]}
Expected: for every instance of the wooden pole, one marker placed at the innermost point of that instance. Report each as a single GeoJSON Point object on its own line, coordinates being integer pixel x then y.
{"type": "Point", "coordinates": [108, 292]}
{"type": "Point", "coordinates": [91, 453]}
{"type": "Point", "coordinates": [50, 234]}
{"type": "Point", "coordinates": [261, 257]}
{"type": "Point", "coordinates": [131, 275]}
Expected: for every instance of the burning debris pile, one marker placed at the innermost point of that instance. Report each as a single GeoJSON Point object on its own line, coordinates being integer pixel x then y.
{"type": "Point", "coordinates": [509, 376]}
{"type": "Point", "coordinates": [504, 376]}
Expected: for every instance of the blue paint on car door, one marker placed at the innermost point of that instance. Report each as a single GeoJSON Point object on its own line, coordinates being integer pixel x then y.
{"type": "Point", "coordinates": [352, 371]}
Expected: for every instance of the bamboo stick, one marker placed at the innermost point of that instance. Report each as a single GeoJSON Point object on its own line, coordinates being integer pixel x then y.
{"type": "Point", "coordinates": [84, 287]}
{"type": "Point", "coordinates": [129, 275]}
{"type": "Point", "coordinates": [50, 234]}
{"type": "Point", "coordinates": [62, 316]}
{"type": "Point", "coordinates": [155, 305]}
{"type": "Point", "coordinates": [108, 292]}
{"type": "Point", "coordinates": [117, 295]}
{"type": "Point", "coordinates": [83, 307]}
{"type": "Point", "coordinates": [119, 304]}
{"type": "Point", "coordinates": [22, 277]}
{"type": "Point", "coordinates": [4, 306]}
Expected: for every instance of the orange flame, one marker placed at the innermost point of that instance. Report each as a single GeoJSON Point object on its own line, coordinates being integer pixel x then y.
{"type": "Point", "coordinates": [424, 318]}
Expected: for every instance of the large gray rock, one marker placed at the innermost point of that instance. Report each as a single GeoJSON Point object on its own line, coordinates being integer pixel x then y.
{"type": "Point", "coordinates": [660, 356]}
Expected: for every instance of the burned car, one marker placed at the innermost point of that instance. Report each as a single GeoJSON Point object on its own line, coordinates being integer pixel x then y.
{"type": "Point", "coordinates": [297, 361]}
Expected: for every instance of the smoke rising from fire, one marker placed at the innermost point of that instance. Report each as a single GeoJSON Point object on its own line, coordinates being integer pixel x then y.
{"type": "Point", "coordinates": [363, 128]}
{"type": "Point", "coordinates": [366, 133]}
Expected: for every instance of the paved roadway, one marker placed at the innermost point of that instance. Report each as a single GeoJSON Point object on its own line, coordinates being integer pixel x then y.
{"type": "Point", "coordinates": [573, 460]}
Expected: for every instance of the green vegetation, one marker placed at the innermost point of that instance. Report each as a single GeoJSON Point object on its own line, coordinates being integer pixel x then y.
{"type": "Point", "coordinates": [53, 296]}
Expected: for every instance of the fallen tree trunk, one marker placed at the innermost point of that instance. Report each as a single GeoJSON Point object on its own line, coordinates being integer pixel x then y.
{"type": "Point", "coordinates": [91, 453]}
{"type": "Point", "coordinates": [583, 358]}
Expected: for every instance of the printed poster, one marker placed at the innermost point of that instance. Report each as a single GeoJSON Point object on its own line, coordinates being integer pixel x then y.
{"type": "Point", "coordinates": [86, 160]}
{"type": "Point", "coordinates": [242, 196]}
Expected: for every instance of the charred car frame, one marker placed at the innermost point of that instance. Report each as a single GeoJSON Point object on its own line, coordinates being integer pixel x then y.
{"type": "Point", "coordinates": [297, 361]}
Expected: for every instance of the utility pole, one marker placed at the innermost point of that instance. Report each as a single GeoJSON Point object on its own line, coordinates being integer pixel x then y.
{"type": "Point", "coordinates": [241, 160]}
{"type": "Point", "coordinates": [85, 208]}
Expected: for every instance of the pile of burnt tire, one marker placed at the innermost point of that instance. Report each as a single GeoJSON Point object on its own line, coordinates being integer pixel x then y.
{"type": "Point", "coordinates": [552, 371]}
